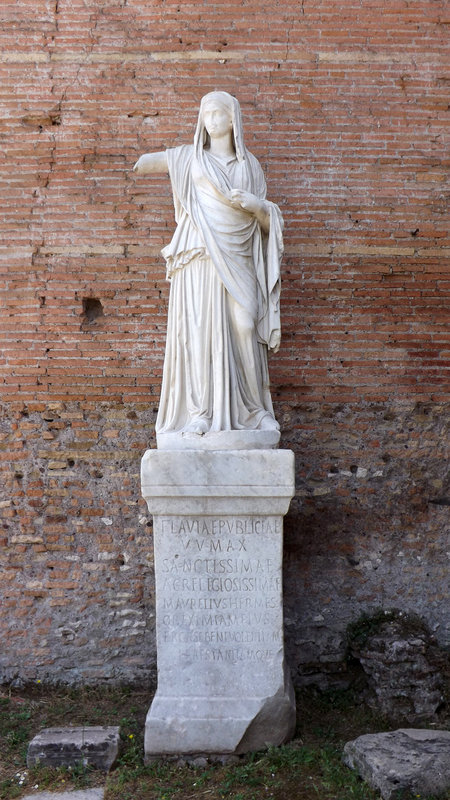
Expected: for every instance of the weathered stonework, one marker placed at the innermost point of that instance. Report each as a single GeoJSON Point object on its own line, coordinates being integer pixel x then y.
{"type": "Point", "coordinates": [223, 686]}
{"type": "Point", "coordinates": [353, 541]}
{"type": "Point", "coordinates": [372, 485]}
{"type": "Point", "coordinates": [96, 746]}
{"type": "Point", "coordinates": [399, 658]}
{"type": "Point", "coordinates": [77, 561]}
{"type": "Point", "coordinates": [407, 763]}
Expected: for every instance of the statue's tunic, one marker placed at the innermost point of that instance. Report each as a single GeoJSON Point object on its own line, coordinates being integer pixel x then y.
{"type": "Point", "coordinates": [224, 298]}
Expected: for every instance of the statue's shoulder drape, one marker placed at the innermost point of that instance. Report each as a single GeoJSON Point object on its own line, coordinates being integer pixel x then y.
{"type": "Point", "coordinates": [247, 261]}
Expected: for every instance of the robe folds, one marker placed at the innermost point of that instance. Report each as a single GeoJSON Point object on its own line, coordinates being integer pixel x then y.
{"type": "Point", "coordinates": [224, 299]}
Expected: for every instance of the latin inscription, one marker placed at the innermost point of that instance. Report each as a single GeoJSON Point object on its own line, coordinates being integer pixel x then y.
{"type": "Point", "coordinates": [213, 584]}
{"type": "Point", "coordinates": [221, 594]}
{"type": "Point", "coordinates": [220, 526]}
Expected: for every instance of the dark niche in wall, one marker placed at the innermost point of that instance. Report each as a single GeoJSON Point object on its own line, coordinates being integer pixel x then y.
{"type": "Point", "coordinates": [92, 309]}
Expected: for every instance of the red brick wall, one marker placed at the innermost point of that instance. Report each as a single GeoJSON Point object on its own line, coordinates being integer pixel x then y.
{"type": "Point", "coordinates": [346, 105]}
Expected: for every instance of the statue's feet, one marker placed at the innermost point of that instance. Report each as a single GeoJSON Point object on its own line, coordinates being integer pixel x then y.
{"type": "Point", "coordinates": [197, 425]}
{"type": "Point", "coordinates": [268, 423]}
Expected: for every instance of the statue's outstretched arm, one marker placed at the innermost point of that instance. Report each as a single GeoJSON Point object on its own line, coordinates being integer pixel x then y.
{"type": "Point", "coordinates": [151, 162]}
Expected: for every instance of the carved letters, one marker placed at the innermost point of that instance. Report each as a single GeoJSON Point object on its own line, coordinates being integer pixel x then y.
{"type": "Point", "coordinates": [220, 596]}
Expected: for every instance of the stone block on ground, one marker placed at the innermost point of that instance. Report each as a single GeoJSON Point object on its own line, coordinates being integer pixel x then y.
{"type": "Point", "coordinates": [79, 794]}
{"type": "Point", "coordinates": [96, 746]}
{"type": "Point", "coordinates": [408, 762]}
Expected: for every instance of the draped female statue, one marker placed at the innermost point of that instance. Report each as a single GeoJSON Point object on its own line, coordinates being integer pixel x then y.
{"type": "Point", "coordinates": [224, 266]}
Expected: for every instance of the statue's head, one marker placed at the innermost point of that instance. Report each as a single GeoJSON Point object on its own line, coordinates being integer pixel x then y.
{"type": "Point", "coordinates": [217, 114]}
{"type": "Point", "coordinates": [231, 115]}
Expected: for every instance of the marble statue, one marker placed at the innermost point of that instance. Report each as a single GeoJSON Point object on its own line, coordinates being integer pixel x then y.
{"type": "Point", "coordinates": [223, 684]}
{"type": "Point", "coordinates": [224, 266]}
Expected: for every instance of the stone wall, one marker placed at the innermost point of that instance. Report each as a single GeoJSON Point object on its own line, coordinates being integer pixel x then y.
{"type": "Point", "coordinates": [345, 105]}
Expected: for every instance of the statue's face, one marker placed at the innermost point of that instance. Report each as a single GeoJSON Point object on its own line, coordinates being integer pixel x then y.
{"type": "Point", "coordinates": [217, 119]}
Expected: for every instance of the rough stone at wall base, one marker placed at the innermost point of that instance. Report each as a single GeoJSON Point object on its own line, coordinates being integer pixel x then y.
{"type": "Point", "coordinates": [400, 662]}
{"type": "Point", "coordinates": [97, 746]}
{"type": "Point", "coordinates": [410, 761]}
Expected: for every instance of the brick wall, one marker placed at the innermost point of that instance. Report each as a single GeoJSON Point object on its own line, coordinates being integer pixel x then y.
{"type": "Point", "coordinates": [346, 106]}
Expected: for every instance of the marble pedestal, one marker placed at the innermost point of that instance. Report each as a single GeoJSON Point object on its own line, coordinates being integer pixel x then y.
{"type": "Point", "coordinates": [223, 686]}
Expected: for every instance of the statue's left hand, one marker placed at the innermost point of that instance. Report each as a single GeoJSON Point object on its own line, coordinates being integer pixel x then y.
{"type": "Point", "coordinates": [252, 204]}
{"type": "Point", "coordinates": [246, 200]}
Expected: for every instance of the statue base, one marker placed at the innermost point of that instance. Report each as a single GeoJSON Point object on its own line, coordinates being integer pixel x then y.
{"type": "Point", "coordinates": [219, 440]}
{"type": "Point", "coordinates": [223, 687]}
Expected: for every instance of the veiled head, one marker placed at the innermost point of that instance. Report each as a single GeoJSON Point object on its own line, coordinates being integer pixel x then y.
{"type": "Point", "coordinates": [221, 100]}
{"type": "Point", "coordinates": [217, 116]}
{"type": "Point", "coordinates": [227, 103]}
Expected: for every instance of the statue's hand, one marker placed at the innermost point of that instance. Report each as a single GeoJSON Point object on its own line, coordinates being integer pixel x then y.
{"type": "Point", "coordinates": [275, 340]}
{"type": "Point", "coordinates": [252, 204]}
{"type": "Point", "coordinates": [246, 200]}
